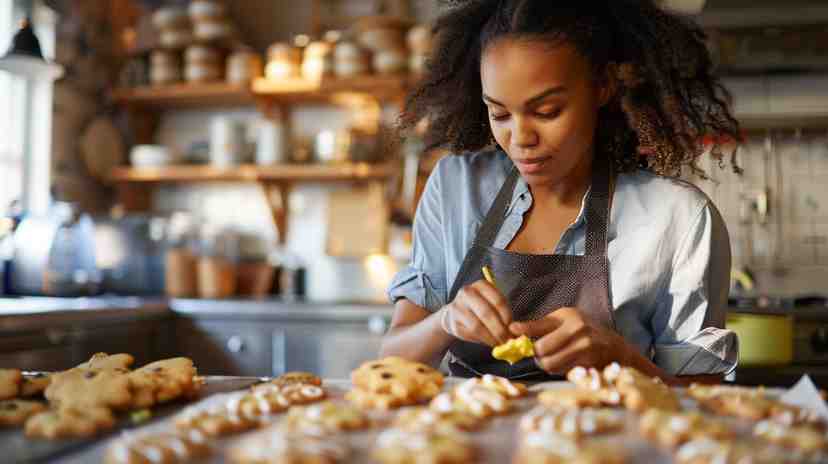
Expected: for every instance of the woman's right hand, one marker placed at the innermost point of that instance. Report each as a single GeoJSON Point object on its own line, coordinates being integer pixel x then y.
{"type": "Point", "coordinates": [478, 314]}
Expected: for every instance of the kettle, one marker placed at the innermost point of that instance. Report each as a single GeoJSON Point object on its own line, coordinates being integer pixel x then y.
{"type": "Point", "coordinates": [54, 254]}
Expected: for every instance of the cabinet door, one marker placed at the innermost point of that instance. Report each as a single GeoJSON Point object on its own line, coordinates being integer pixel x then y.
{"type": "Point", "coordinates": [141, 340]}
{"type": "Point", "coordinates": [226, 348]}
{"type": "Point", "coordinates": [332, 349]}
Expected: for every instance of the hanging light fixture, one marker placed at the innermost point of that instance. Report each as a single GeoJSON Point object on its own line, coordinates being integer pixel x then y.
{"type": "Point", "coordinates": [25, 57]}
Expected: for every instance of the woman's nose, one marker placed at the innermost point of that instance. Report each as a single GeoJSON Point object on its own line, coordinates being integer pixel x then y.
{"type": "Point", "coordinates": [524, 134]}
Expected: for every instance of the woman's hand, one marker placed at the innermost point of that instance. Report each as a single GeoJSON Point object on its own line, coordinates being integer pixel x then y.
{"type": "Point", "coordinates": [478, 314]}
{"type": "Point", "coordinates": [566, 339]}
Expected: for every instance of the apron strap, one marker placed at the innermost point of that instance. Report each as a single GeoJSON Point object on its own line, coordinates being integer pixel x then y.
{"type": "Point", "coordinates": [598, 208]}
{"type": "Point", "coordinates": [488, 231]}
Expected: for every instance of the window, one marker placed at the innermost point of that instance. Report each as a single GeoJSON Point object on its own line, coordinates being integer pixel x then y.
{"type": "Point", "coordinates": [13, 97]}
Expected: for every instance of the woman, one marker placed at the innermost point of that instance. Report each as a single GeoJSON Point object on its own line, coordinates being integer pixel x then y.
{"type": "Point", "coordinates": [575, 117]}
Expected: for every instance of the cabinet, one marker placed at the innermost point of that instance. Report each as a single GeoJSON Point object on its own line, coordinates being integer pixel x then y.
{"type": "Point", "coordinates": [57, 348]}
{"type": "Point", "coordinates": [271, 347]}
{"type": "Point", "coordinates": [767, 102]}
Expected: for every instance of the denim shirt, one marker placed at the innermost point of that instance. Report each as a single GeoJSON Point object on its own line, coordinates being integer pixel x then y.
{"type": "Point", "coordinates": [669, 255]}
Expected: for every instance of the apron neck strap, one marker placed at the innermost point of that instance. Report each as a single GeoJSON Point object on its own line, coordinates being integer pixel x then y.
{"type": "Point", "coordinates": [497, 212]}
{"type": "Point", "coordinates": [598, 207]}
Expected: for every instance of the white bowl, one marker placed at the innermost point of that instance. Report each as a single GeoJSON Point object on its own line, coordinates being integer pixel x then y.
{"type": "Point", "coordinates": [150, 156]}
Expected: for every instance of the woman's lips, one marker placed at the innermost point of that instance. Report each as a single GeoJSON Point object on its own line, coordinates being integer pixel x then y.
{"type": "Point", "coordinates": [532, 165]}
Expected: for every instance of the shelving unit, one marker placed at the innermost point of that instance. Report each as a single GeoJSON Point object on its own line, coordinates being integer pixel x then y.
{"type": "Point", "coordinates": [135, 185]}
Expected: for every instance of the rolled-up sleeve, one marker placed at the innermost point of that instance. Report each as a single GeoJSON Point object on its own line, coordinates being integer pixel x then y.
{"type": "Point", "coordinates": [423, 280]}
{"type": "Point", "coordinates": [688, 322]}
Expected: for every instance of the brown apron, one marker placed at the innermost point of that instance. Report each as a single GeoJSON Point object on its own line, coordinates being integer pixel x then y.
{"type": "Point", "coordinates": [535, 285]}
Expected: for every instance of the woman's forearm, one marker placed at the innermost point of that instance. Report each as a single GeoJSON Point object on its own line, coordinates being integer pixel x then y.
{"type": "Point", "coordinates": [423, 340]}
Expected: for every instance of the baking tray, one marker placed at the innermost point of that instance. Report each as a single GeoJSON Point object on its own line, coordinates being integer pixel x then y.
{"type": "Point", "coordinates": [17, 448]}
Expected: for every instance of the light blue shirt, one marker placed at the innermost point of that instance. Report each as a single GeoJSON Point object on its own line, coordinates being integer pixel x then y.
{"type": "Point", "coordinates": [668, 250]}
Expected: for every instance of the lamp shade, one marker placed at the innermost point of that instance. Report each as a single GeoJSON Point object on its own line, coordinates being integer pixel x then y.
{"type": "Point", "coordinates": [25, 57]}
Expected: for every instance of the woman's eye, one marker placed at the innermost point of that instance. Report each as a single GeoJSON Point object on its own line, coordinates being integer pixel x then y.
{"type": "Point", "coordinates": [498, 117]}
{"type": "Point", "coordinates": [549, 114]}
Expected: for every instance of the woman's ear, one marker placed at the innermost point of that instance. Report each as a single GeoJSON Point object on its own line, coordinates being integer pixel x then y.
{"type": "Point", "coordinates": [608, 85]}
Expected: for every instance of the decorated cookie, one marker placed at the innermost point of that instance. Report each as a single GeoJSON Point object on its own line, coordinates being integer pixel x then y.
{"type": "Point", "coordinates": [446, 446]}
{"type": "Point", "coordinates": [325, 417]}
{"type": "Point", "coordinates": [548, 448]}
{"type": "Point", "coordinates": [420, 417]}
{"type": "Point", "coordinates": [168, 448]}
{"type": "Point", "coordinates": [672, 429]}
{"type": "Point", "coordinates": [572, 423]}
{"type": "Point", "coordinates": [277, 446]}
{"type": "Point", "coordinates": [570, 398]}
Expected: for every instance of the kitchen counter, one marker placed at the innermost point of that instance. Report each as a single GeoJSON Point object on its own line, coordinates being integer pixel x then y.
{"type": "Point", "coordinates": [34, 313]}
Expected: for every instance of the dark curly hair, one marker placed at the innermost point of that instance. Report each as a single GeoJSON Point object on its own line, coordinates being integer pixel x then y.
{"type": "Point", "coordinates": [667, 101]}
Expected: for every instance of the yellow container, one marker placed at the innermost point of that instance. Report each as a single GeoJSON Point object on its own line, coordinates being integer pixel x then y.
{"type": "Point", "coordinates": [764, 339]}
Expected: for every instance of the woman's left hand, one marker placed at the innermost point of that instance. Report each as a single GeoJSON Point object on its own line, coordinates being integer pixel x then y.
{"type": "Point", "coordinates": [565, 339]}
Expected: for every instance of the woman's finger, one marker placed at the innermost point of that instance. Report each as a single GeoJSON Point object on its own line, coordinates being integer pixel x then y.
{"type": "Point", "coordinates": [561, 360]}
{"type": "Point", "coordinates": [497, 300]}
{"type": "Point", "coordinates": [473, 329]}
{"type": "Point", "coordinates": [487, 314]}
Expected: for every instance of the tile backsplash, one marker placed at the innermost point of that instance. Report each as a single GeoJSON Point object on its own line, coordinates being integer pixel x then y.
{"type": "Point", "coordinates": [787, 246]}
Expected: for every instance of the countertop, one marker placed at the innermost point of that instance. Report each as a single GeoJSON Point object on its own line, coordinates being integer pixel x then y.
{"type": "Point", "coordinates": [33, 313]}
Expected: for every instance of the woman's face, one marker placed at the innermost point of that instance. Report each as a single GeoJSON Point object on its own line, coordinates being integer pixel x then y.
{"type": "Point", "coordinates": [543, 106]}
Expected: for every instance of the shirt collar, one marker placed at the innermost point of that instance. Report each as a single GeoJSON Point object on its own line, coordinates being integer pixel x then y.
{"type": "Point", "coordinates": [522, 201]}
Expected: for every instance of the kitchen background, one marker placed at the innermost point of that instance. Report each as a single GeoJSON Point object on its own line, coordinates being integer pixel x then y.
{"type": "Point", "coordinates": [238, 158]}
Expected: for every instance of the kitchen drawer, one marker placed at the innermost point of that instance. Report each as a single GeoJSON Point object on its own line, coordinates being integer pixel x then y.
{"type": "Point", "coordinates": [226, 347]}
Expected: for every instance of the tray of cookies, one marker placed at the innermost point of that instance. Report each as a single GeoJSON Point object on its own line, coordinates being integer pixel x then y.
{"type": "Point", "coordinates": [44, 415]}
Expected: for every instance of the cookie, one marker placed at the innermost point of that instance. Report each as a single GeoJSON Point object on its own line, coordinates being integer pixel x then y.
{"type": "Point", "coordinates": [168, 448]}
{"type": "Point", "coordinates": [671, 430]}
{"type": "Point", "coordinates": [640, 392]}
{"type": "Point", "coordinates": [411, 382]}
{"type": "Point", "coordinates": [34, 384]}
{"type": "Point", "coordinates": [572, 423]}
{"type": "Point", "coordinates": [445, 446]}
{"type": "Point", "coordinates": [15, 412]}
{"type": "Point", "coordinates": [369, 400]}
{"type": "Point", "coordinates": [790, 415]}
{"type": "Point", "coordinates": [471, 399]}
{"type": "Point", "coordinates": [289, 378]}
{"type": "Point", "coordinates": [324, 417]}
{"type": "Point", "coordinates": [802, 438]}
{"type": "Point", "coordinates": [500, 385]}
{"type": "Point", "coordinates": [218, 420]}
{"type": "Point", "coordinates": [108, 361]}
{"type": "Point", "coordinates": [570, 398]}
{"type": "Point", "coordinates": [10, 383]}
{"type": "Point", "coordinates": [419, 417]}
{"type": "Point", "coordinates": [276, 446]}
{"type": "Point", "coordinates": [739, 402]}
{"type": "Point", "coordinates": [549, 448]}
{"type": "Point", "coordinates": [162, 381]}
{"type": "Point", "coordinates": [709, 451]}
{"type": "Point", "coordinates": [90, 388]}
{"type": "Point", "coordinates": [69, 423]}
{"type": "Point", "coordinates": [593, 380]}
{"type": "Point", "coordinates": [300, 393]}
{"type": "Point", "coordinates": [514, 350]}
{"type": "Point", "coordinates": [258, 403]}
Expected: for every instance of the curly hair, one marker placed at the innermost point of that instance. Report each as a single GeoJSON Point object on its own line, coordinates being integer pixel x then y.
{"type": "Point", "coordinates": [667, 100]}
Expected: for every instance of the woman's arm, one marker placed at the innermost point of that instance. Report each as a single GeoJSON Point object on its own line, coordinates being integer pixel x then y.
{"type": "Point", "coordinates": [415, 334]}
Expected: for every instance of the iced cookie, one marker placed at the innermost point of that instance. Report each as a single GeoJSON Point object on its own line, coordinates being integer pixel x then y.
{"type": "Point", "coordinates": [572, 423]}
{"type": "Point", "coordinates": [167, 448]}
{"type": "Point", "coordinates": [549, 448]}
{"type": "Point", "coordinates": [276, 446]}
{"type": "Point", "coordinates": [445, 446]}
{"type": "Point", "coordinates": [670, 429]}
{"type": "Point", "coordinates": [419, 417]}
{"type": "Point", "coordinates": [575, 398]}
{"type": "Point", "coordinates": [325, 417]}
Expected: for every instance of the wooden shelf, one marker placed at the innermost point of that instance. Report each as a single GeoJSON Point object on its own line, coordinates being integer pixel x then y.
{"type": "Point", "coordinates": [301, 90]}
{"type": "Point", "coordinates": [280, 173]}
{"type": "Point", "coordinates": [185, 95]}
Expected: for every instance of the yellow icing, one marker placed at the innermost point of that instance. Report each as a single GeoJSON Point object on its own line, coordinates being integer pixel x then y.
{"type": "Point", "coordinates": [514, 350]}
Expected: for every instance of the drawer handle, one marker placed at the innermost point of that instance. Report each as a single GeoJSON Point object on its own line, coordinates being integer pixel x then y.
{"type": "Point", "coordinates": [235, 344]}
